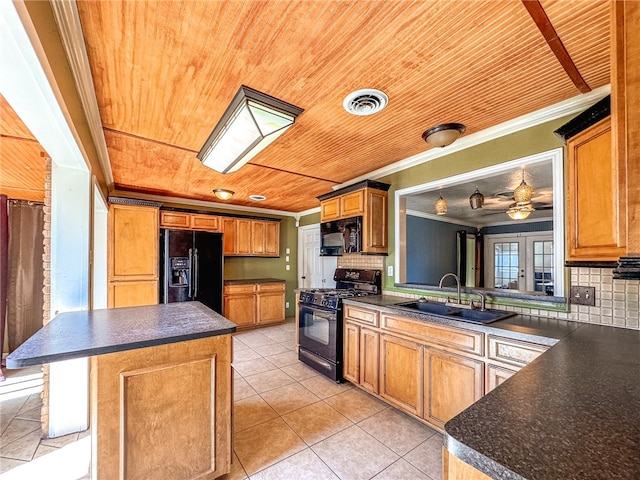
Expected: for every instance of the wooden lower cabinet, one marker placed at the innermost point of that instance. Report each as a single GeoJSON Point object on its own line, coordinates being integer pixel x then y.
{"type": "Point", "coordinates": [451, 384]}
{"type": "Point", "coordinates": [401, 373]}
{"type": "Point", "coordinates": [163, 411]}
{"type": "Point", "coordinates": [361, 356]}
{"type": "Point", "coordinates": [496, 375]}
{"type": "Point", "coordinates": [133, 293]}
{"type": "Point", "coordinates": [456, 469]}
{"type": "Point", "coordinates": [351, 352]}
{"type": "Point", "coordinates": [254, 304]}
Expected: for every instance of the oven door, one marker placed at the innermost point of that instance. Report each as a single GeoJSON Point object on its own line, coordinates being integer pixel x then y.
{"type": "Point", "coordinates": [318, 331]}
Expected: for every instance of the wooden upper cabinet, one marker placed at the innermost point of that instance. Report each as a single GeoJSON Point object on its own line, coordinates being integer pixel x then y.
{"type": "Point", "coordinates": [352, 204]}
{"type": "Point", "coordinates": [244, 237]}
{"type": "Point", "coordinates": [229, 235]}
{"type": "Point", "coordinates": [596, 226]}
{"type": "Point", "coordinates": [257, 237]}
{"type": "Point", "coordinates": [133, 242]}
{"type": "Point", "coordinates": [272, 239]}
{"type": "Point", "coordinates": [189, 221]}
{"type": "Point", "coordinates": [174, 219]}
{"type": "Point", "coordinates": [330, 209]}
{"type": "Point", "coordinates": [205, 222]}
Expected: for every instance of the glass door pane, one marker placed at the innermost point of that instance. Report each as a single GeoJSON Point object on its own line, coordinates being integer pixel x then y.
{"type": "Point", "coordinates": [506, 260]}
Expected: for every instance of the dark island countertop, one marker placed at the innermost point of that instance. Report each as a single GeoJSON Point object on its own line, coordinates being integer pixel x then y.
{"type": "Point", "coordinates": [248, 281]}
{"type": "Point", "coordinates": [573, 413]}
{"type": "Point", "coordinates": [96, 332]}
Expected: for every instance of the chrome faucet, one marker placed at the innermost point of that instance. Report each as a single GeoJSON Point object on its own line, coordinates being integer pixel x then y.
{"type": "Point", "coordinates": [483, 301]}
{"type": "Point", "coordinates": [457, 283]}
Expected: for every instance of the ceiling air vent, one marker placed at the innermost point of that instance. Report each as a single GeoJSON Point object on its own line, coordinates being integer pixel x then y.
{"type": "Point", "coordinates": [365, 102]}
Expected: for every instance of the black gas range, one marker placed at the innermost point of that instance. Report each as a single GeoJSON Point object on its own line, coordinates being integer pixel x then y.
{"type": "Point", "coordinates": [320, 318]}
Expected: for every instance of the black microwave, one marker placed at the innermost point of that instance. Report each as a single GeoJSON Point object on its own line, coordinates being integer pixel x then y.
{"type": "Point", "coordinates": [341, 236]}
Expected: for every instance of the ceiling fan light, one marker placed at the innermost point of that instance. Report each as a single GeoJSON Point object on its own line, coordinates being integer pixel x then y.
{"type": "Point", "coordinates": [476, 200]}
{"type": "Point", "coordinates": [444, 134]}
{"type": "Point", "coordinates": [441, 206]}
{"type": "Point", "coordinates": [223, 194]}
{"type": "Point", "coordinates": [519, 212]}
{"type": "Point", "coordinates": [250, 123]}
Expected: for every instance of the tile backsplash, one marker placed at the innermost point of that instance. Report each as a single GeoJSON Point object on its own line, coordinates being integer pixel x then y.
{"type": "Point", "coordinates": [617, 302]}
{"type": "Point", "coordinates": [355, 260]}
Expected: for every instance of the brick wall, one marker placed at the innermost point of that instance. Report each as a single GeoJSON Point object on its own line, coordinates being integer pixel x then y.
{"type": "Point", "coordinates": [46, 291]}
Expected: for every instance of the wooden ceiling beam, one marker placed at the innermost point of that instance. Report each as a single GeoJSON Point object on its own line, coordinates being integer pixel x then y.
{"type": "Point", "coordinates": [543, 23]}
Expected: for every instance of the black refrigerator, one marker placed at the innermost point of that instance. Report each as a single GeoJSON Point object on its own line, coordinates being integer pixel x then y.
{"type": "Point", "coordinates": [191, 267]}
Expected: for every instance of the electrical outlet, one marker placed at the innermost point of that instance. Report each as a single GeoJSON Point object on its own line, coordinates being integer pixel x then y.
{"type": "Point", "coordinates": [583, 296]}
{"type": "Point", "coordinates": [286, 304]}
{"type": "Point", "coordinates": [288, 267]}
{"type": "Point", "coordinates": [390, 271]}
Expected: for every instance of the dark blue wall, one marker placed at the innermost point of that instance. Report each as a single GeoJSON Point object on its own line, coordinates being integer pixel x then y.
{"type": "Point", "coordinates": [518, 228]}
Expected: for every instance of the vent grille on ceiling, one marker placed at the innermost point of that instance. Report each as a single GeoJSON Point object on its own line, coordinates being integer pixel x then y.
{"type": "Point", "coordinates": [365, 102]}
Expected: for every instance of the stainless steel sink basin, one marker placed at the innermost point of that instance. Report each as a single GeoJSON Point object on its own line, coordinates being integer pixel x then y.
{"type": "Point", "coordinates": [464, 314]}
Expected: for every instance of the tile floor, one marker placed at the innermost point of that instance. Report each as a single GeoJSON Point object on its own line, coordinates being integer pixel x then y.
{"type": "Point", "coordinates": [289, 423]}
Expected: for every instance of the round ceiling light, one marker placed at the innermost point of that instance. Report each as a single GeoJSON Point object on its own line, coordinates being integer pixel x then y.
{"type": "Point", "coordinates": [257, 198]}
{"type": "Point", "coordinates": [365, 102]}
{"type": "Point", "coordinates": [444, 134]}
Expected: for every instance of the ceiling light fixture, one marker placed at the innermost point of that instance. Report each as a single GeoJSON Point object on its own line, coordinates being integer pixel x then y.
{"type": "Point", "coordinates": [523, 193]}
{"type": "Point", "coordinates": [251, 122]}
{"type": "Point", "coordinates": [257, 198]}
{"type": "Point", "coordinates": [476, 200]}
{"type": "Point", "coordinates": [223, 194]}
{"type": "Point", "coordinates": [365, 102]}
{"type": "Point", "coordinates": [441, 206]}
{"type": "Point", "coordinates": [519, 212]}
{"type": "Point", "coordinates": [444, 134]}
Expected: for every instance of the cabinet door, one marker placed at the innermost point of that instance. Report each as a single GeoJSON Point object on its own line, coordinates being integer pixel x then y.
{"type": "Point", "coordinates": [241, 309]}
{"type": "Point", "coordinates": [596, 228]}
{"type": "Point", "coordinates": [243, 238]}
{"type": "Point", "coordinates": [374, 238]}
{"type": "Point", "coordinates": [133, 293]}
{"type": "Point", "coordinates": [351, 368]}
{"type": "Point", "coordinates": [210, 223]}
{"type": "Point", "coordinates": [229, 230]}
{"type": "Point", "coordinates": [272, 239]}
{"type": "Point", "coordinates": [330, 209]}
{"type": "Point", "coordinates": [496, 375]}
{"type": "Point", "coordinates": [133, 242]}
{"type": "Point", "coordinates": [369, 359]}
{"type": "Point", "coordinates": [352, 204]}
{"type": "Point", "coordinates": [257, 237]}
{"type": "Point", "coordinates": [270, 303]}
{"type": "Point", "coordinates": [175, 220]}
{"type": "Point", "coordinates": [451, 384]}
{"type": "Point", "coordinates": [401, 373]}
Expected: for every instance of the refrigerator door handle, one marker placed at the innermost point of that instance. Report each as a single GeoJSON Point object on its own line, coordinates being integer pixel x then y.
{"type": "Point", "coordinates": [190, 270]}
{"type": "Point", "coordinates": [197, 275]}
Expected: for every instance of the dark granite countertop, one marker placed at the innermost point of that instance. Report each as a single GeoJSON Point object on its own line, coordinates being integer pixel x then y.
{"type": "Point", "coordinates": [541, 330]}
{"type": "Point", "coordinates": [248, 281]}
{"type": "Point", "coordinates": [573, 413]}
{"type": "Point", "coordinates": [87, 333]}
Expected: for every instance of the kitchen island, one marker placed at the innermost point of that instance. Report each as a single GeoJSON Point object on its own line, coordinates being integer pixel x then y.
{"type": "Point", "coordinates": [161, 383]}
{"type": "Point", "coordinates": [571, 413]}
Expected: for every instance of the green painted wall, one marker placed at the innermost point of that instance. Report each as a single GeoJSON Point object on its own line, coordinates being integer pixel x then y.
{"type": "Point", "coordinates": [509, 147]}
{"type": "Point", "coordinates": [310, 219]}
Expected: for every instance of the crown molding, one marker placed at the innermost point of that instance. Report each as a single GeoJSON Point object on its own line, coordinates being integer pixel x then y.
{"type": "Point", "coordinates": [67, 18]}
{"type": "Point", "coordinates": [567, 107]}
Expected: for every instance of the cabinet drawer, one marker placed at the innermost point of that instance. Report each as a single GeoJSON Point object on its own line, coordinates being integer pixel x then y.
{"type": "Point", "coordinates": [235, 289]}
{"type": "Point", "coordinates": [270, 287]}
{"type": "Point", "coordinates": [450, 337]}
{"type": "Point", "coordinates": [362, 315]}
{"type": "Point", "coordinates": [513, 352]}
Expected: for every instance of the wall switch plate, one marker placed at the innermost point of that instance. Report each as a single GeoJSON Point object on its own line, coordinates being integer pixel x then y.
{"type": "Point", "coordinates": [583, 296]}
{"type": "Point", "coordinates": [287, 250]}
{"type": "Point", "coordinates": [390, 271]}
{"type": "Point", "coordinates": [288, 267]}
{"type": "Point", "coordinates": [286, 304]}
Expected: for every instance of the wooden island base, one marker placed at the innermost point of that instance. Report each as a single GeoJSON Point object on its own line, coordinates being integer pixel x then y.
{"type": "Point", "coordinates": [162, 412]}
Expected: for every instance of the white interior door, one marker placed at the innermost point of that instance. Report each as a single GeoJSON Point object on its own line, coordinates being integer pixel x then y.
{"type": "Point", "coordinates": [315, 271]}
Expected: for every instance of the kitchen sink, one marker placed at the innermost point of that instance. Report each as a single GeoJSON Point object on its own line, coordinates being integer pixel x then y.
{"type": "Point", "coordinates": [464, 314]}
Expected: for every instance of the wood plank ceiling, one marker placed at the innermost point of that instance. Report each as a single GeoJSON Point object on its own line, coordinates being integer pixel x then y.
{"type": "Point", "coordinates": [164, 72]}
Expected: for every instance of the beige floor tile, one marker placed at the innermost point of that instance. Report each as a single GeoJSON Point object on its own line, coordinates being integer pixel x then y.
{"type": "Point", "coordinates": [289, 398]}
{"type": "Point", "coordinates": [283, 359]}
{"type": "Point", "coordinates": [7, 464]}
{"type": "Point", "coordinates": [353, 454]}
{"type": "Point", "coordinates": [396, 430]}
{"type": "Point", "coordinates": [60, 441]}
{"type": "Point", "coordinates": [8, 410]}
{"type": "Point", "coordinates": [299, 371]}
{"type": "Point", "coordinates": [34, 400]}
{"type": "Point", "coordinates": [43, 450]}
{"type": "Point", "coordinates": [280, 336]}
{"type": "Point", "coordinates": [323, 387]}
{"type": "Point", "coordinates": [85, 433]}
{"type": "Point", "coordinates": [255, 339]}
{"type": "Point", "coordinates": [289, 346]}
{"type": "Point", "coordinates": [245, 355]}
{"type": "Point", "coordinates": [401, 470]}
{"type": "Point", "coordinates": [316, 422]}
{"type": "Point", "coordinates": [427, 457]}
{"type": "Point", "coordinates": [238, 344]}
{"type": "Point", "coordinates": [17, 429]}
{"type": "Point", "coordinates": [237, 471]}
{"type": "Point", "coordinates": [241, 389]}
{"type": "Point", "coordinates": [250, 412]}
{"type": "Point", "coordinates": [24, 447]}
{"type": "Point", "coordinates": [263, 382]}
{"type": "Point", "coordinates": [356, 405]}
{"type": "Point", "coordinates": [271, 349]}
{"type": "Point", "coordinates": [261, 446]}
{"type": "Point", "coordinates": [34, 414]}
{"type": "Point", "coordinates": [303, 465]}
{"type": "Point", "coordinates": [252, 367]}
